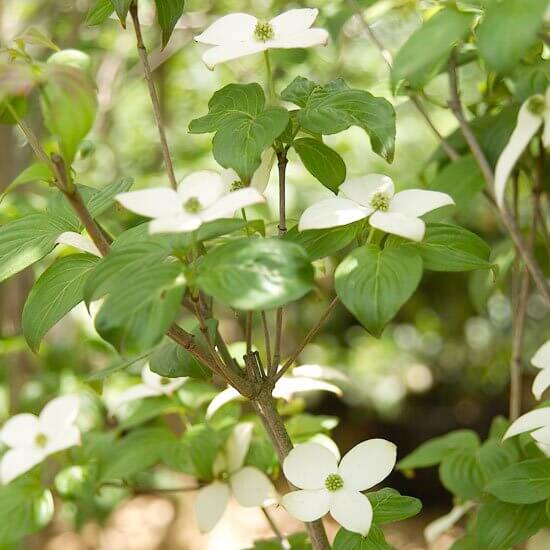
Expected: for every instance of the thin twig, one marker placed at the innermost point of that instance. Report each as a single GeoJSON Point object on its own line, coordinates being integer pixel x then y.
{"type": "Point", "coordinates": [267, 340]}
{"type": "Point", "coordinates": [506, 216]}
{"type": "Point", "coordinates": [309, 336]}
{"type": "Point", "coordinates": [248, 330]}
{"type": "Point", "coordinates": [274, 526]}
{"type": "Point", "coordinates": [142, 51]}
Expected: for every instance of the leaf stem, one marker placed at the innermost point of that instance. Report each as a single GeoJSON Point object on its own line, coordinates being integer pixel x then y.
{"type": "Point", "coordinates": [273, 526]}
{"type": "Point", "coordinates": [142, 52]}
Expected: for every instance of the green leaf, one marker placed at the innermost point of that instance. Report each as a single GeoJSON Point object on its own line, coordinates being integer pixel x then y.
{"type": "Point", "coordinates": [319, 243]}
{"type": "Point", "coordinates": [373, 284]}
{"type": "Point", "coordinates": [346, 540]}
{"type": "Point", "coordinates": [254, 273]}
{"type": "Point", "coordinates": [462, 180]}
{"type": "Point", "coordinates": [335, 107]}
{"type": "Point", "coordinates": [137, 313]}
{"type": "Point", "coordinates": [25, 507]}
{"type": "Point", "coordinates": [434, 451]}
{"type": "Point", "coordinates": [136, 452]}
{"type": "Point", "coordinates": [168, 13]}
{"type": "Point", "coordinates": [148, 409]}
{"type": "Point", "coordinates": [299, 91]}
{"type": "Point", "coordinates": [35, 172]}
{"type": "Point", "coordinates": [99, 12]}
{"type": "Point", "coordinates": [415, 64]}
{"type": "Point", "coordinates": [508, 31]}
{"type": "Point", "coordinates": [196, 393]}
{"type": "Point", "coordinates": [27, 240]}
{"type": "Point", "coordinates": [116, 367]}
{"type": "Point", "coordinates": [322, 162]}
{"type": "Point", "coordinates": [304, 426]}
{"type": "Point", "coordinates": [523, 483]}
{"type": "Point", "coordinates": [102, 199]}
{"type": "Point", "coordinates": [55, 293]}
{"type": "Point", "coordinates": [460, 472]}
{"type": "Point", "coordinates": [121, 8]}
{"type": "Point", "coordinates": [389, 506]}
{"type": "Point", "coordinates": [19, 104]}
{"type": "Point", "coordinates": [244, 127]}
{"type": "Point", "coordinates": [452, 248]}
{"type": "Point", "coordinates": [501, 526]}
{"type": "Point", "coordinates": [69, 106]}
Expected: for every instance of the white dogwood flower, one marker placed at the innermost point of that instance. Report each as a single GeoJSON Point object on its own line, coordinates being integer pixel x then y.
{"type": "Point", "coordinates": [239, 34]}
{"type": "Point", "coordinates": [32, 438]}
{"type": "Point", "coordinates": [285, 388]}
{"type": "Point", "coordinates": [201, 197]}
{"type": "Point", "coordinates": [76, 240]}
{"type": "Point", "coordinates": [329, 487]}
{"type": "Point", "coordinates": [537, 422]}
{"type": "Point", "coordinates": [534, 112]}
{"type": "Point", "coordinates": [250, 486]}
{"type": "Point", "coordinates": [541, 360]}
{"type": "Point", "coordinates": [374, 195]}
{"type": "Point", "coordinates": [153, 385]}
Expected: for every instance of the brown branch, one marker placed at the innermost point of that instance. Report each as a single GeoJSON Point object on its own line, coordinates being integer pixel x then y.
{"type": "Point", "coordinates": [142, 51]}
{"type": "Point", "coordinates": [505, 213]}
{"type": "Point", "coordinates": [309, 336]}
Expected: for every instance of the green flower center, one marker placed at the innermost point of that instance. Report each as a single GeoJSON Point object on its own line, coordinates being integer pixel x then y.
{"type": "Point", "coordinates": [236, 185]}
{"type": "Point", "coordinates": [380, 201]}
{"type": "Point", "coordinates": [40, 440]}
{"type": "Point", "coordinates": [536, 104]}
{"type": "Point", "coordinates": [193, 205]}
{"type": "Point", "coordinates": [334, 482]}
{"type": "Point", "coordinates": [263, 31]}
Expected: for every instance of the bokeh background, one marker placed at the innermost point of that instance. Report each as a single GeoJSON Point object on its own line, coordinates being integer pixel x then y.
{"type": "Point", "coordinates": [442, 365]}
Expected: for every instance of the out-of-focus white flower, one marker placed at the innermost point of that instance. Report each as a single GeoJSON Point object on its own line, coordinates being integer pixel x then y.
{"type": "Point", "coordinates": [285, 388]}
{"type": "Point", "coordinates": [239, 35]}
{"type": "Point", "coordinates": [541, 360]}
{"type": "Point", "coordinates": [329, 487]}
{"type": "Point", "coordinates": [32, 438]}
{"type": "Point", "coordinates": [201, 197]}
{"type": "Point", "coordinates": [537, 422]}
{"type": "Point", "coordinates": [250, 486]}
{"type": "Point", "coordinates": [442, 524]}
{"type": "Point", "coordinates": [153, 385]}
{"type": "Point", "coordinates": [76, 240]}
{"type": "Point", "coordinates": [534, 112]}
{"type": "Point", "coordinates": [374, 195]}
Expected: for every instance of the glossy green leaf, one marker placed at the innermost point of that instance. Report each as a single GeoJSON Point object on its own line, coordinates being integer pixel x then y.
{"type": "Point", "coordinates": [460, 473]}
{"type": "Point", "coordinates": [244, 127]}
{"type": "Point", "coordinates": [335, 107]}
{"type": "Point", "coordinates": [389, 506]}
{"type": "Point", "coordinates": [346, 540]}
{"type": "Point", "coordinates": [373, 284]}
{"type": "Point", "coordinates": [168, 14]}
{"type": "Point", "coordinates": [34, 172]}
{"type": "Point", "coordinates": [508, 30]}
{"type": "Point", "coordinates": [253, 273]}
{"type": "Point", "coordinates": [322, 162]}
{"type": "Point", "coordinates": [299, 91]}
{"type": "Point", "coordinates": [434, 451]}
{"type": "Point", "coordinates": [27, 240]}
{"type": "Point", "coordinates": [415, 64]}
{"type": "Point", "coordinates": [55, 293]}
{"type": "Point", "coordinates": [121, 9]}
{"type": "Point", "coordinates": [99, 12]}
{"type": "Point", "coordinates": [17, 104]}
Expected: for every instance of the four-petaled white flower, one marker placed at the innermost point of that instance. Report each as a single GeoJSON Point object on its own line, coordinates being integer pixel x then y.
{"type": "Point", "coordinates": [541, 360]}
{"type": "Point", "coordinates": [250, 486]}
{"type": "Point", "coordinates": [201, 197]}
{"type": "Point", "coordinates": [329, 487]}
{"type": "Point", "coordinates": [239, 34]}
{"type": "Point", "coordinates": [285, 388]}
{"type": "Point", "coordinates": [534, 112]}
{"type": "Point", "coordinates": [374, 195]}
{"type": "Point", "coordinates": [32, 438]}
{"type": "Point", "coordinates": [153, 385]}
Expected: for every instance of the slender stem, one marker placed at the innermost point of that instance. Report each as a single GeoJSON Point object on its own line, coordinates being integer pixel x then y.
{"type": "Point", "coordinates": [248, 330]}
{"type": "Point", "coordinates": [506, 216]}
{"type": "Point", "coordinates": [267, 341]}
{"type": "Point", "coordinates": [370, 237]}
{"type": "Point", "coordinates": [274, 425]}
{"type": "Point", "coordinates": [270, 83]}
{"type": "Point", "coordinates": [309, 336]}
{"type": "Point", "coordinates": [273, 525]}
{"type": "Point", "coordinates": [142, 51]}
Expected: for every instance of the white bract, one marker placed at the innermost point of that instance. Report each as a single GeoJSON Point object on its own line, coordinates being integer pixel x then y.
{"type": "Point", "coordinates": [250, 486]}
{"type": "Point", "coordinates": [541, 360]}
{"type": "Point", "coordinates": [153, 385]}
{"type": "Point", "coordinates": [32, 438]}
{"type": "Point", "coordinates": [537, 422]}
{"type": "Point", "coordinates": [239, 34]}
{"type": "Point", "coordinates": [76, 240]}
{"type": "Point", "coordinates": [327, 486]}
{"type": "Point", "coordinates": [201, 197]}
{"type": "Point", "coordinates": [534, 112]}
{"type": "Point", "coordinates": [285, 388]}
{"type": "Point", "coordinates": [374, 195]}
